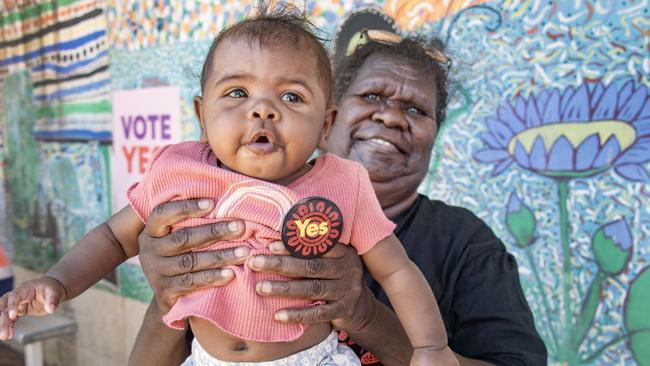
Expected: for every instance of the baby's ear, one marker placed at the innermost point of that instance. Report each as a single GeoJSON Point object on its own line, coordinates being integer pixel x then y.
{"type": "Point", "coordinates": [330, 117]}
{"type": "Point", "coordinates": [198, 108]}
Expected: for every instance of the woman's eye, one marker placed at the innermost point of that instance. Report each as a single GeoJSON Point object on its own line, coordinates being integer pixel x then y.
{"type": "Point", "coordinates": [371, 97]}
{"type": "Point", "coordinates": [416, 111]}
{"type": "Point", "coordinates": [237, 93]}
{"type": "Point", "coordinates": [291, 98]}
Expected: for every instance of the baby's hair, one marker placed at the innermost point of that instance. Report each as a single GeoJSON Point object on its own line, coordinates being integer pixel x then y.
{"type": "Point", "coordinates": [283, 24]}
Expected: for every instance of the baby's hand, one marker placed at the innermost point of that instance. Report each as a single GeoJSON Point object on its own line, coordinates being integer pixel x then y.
{"type": "Point", "coordinates": [36, 297]}
{"type": "Point", "coordinates": [429, 356]}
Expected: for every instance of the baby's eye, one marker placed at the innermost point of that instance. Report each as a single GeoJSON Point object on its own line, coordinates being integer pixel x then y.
{"type": "Point", "coordinates": [237, 93]}
{"type": "Point", "coordinates": [415, 110]}
{"type": "Point", "coordinates": [371, 97]}
{"type": "Point", "coordinates": [291, 97]}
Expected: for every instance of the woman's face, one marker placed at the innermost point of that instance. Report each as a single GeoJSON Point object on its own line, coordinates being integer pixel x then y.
{"type": "Point", "coordinates": [386, 122]}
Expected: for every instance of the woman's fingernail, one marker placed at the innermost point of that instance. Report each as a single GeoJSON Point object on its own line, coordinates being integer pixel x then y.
{"type": "Point", "coordinates": [265, 287]}
{"type": "Point", "coordinates": [258, 262]}
{"type": "Point", "coordinates": [241, 252]}
{"type": "Point", "coordinates": [227, 273]}
{"type": "Point", "coordinates": [234, 226]}
{"type": "Point", "coordinates": [203, 204]}
{"type": "Point", "coordinates": [281, 316]}
{"type": "Point", "coordinates": [3, 335]}
{"type": "Point", "coordinates": [12, 314]}
{"type": "Point", "coordinates": [276, 246]}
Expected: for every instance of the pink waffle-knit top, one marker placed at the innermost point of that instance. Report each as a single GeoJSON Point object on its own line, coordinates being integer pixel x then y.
{"type": "Point", "coordinates": [189, 170]}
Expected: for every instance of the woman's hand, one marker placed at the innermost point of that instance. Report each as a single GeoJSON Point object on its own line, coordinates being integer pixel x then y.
{"type": "Point", "coordinates": [170, 266]}
{"type": "Point", "coordinates": [336, 279]}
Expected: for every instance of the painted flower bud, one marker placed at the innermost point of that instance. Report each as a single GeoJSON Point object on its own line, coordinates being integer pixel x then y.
{"type": "Point", "coordinates": [612, 246]}
{"type": "Point", "coordinates": [520, 221]}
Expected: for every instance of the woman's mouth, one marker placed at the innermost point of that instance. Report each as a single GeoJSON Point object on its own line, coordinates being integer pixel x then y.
{"type": "Point", "coordinates": [380, 144]}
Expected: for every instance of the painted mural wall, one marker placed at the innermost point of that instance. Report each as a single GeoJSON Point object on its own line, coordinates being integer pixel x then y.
{"type": "Point", "coordinates": [550, 115]}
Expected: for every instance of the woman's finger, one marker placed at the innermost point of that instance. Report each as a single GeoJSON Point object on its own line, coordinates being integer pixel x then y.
{"type": "Point", "coordinates": [200, 261]}
{"type": "Point", "coordinates": [189, 282]}
{"type": "Point", "coordinates": [189, 238]}
{"type": "Point", "coordinates": [326, 268]}
{"type": "Point", "coordinates": [316, 289]}
{"type": "Point", "coordinates": [342, 261]}
{"type": "Point", "coordinates": [278, 248]}
{"type": "Point", "coordinates": [169, 289]}
{"type": "Point", "coordinates": [312, 314]}
{"type": "Point", "coordinates": [165, 215]}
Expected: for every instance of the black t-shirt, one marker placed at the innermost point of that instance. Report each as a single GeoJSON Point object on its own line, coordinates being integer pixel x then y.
{"type": "Point", "coordinates": [475, 281]}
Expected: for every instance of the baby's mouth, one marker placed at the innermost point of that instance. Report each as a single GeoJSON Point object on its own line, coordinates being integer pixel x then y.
{"type": "Point", "coordinates": [262, 142]}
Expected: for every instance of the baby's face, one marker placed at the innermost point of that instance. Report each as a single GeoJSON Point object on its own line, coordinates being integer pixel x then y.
{"type": "Point", "coordinates": [264, 109]}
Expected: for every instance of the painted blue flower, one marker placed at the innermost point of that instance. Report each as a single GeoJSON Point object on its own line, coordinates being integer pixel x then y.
{"type": "Point", "coordinates": [576, 132]}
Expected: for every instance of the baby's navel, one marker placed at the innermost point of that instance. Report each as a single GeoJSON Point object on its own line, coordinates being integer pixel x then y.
{"type": "Point", "coordinates": [240, 347]}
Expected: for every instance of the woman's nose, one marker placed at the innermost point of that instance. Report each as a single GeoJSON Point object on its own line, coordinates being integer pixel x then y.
{"type": "Point", "coordinates": [391, 117]}
{"type": "Point", "coordinates": [263, 109]}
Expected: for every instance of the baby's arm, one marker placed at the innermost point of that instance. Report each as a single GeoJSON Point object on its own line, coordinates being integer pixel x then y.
{"type": "Point", "coordinates": [91, 258]}
{"type": "Point", "coordinates": [413, 301]}
{"type": "Point", "coordinates": [98, 252]}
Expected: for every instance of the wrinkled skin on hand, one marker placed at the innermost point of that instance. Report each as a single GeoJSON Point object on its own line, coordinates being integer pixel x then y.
{"type": "Point", "coordinates": [336, 279]}
{"type": "Point", "coordinates": [167, 260]}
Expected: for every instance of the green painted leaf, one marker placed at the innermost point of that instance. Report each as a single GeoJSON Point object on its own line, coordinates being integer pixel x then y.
{"type": "Point", "coordinates": [637, 321]}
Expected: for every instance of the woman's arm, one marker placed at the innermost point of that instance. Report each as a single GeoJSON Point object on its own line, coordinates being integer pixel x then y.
{"type": "Point", "coordinates": [170, 344]}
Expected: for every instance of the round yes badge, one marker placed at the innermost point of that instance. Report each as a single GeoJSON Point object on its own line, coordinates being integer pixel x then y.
{"type": "Point", "coordinates": [312, 227]}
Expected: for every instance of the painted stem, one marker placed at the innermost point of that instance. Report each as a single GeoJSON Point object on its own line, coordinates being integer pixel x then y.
{"type": "Point", "coordinates": [547, 307]}
{"type": "Point", "coordinates": [563, 193]}
{"type": "Point", "coordinates": [599, 352]}
{"type": "Point", "coordinates": [588, 311]}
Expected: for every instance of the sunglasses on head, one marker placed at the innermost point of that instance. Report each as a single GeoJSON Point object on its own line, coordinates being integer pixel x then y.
{"type": "Point", "coordinates": [390, 38]}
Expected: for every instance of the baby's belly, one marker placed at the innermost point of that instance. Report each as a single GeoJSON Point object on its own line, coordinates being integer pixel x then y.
{"type": "Point", "coordinates": [226, 347]}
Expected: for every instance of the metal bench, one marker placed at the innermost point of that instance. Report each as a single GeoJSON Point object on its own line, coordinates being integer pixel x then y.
{"type": "Point", "coordinates": [31, 331]}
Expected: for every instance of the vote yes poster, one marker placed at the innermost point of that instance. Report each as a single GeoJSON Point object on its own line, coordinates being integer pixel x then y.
{"type": "Point", "coordinates": [143, 121]}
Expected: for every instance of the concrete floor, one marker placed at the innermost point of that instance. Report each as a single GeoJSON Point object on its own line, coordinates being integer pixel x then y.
{"type": "Point", "coordinates": [10, 357]}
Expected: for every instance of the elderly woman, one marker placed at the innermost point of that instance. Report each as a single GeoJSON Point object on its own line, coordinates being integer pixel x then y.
{"type": "Point", "coordinates": [391, 99]}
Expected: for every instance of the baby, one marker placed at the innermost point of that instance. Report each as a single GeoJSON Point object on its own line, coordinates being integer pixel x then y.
{"type": "Point", "coordinates": [264, 110]}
